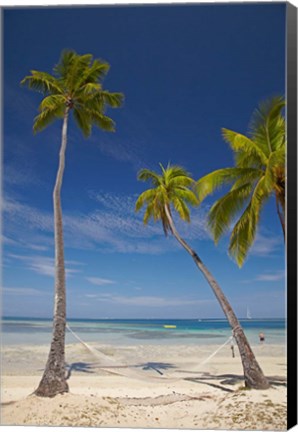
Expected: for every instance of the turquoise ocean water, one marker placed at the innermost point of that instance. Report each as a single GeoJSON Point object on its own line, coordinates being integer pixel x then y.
{"type": "Point", "coordinates": [33, 331]}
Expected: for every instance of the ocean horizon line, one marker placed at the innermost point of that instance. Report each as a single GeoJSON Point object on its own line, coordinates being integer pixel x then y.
{"type": "Point", "coordinates": [145, 319]}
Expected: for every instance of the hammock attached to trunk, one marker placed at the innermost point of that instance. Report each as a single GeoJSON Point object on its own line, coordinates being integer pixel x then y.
{"type": "Point", "coordinates": [111, 366]}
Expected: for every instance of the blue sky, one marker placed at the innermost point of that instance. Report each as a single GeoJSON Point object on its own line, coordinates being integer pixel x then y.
{"type": "Point", "coordinates": [186, 72]}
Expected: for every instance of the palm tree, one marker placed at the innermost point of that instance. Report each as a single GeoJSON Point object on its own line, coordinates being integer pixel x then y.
{"type": "Point", "coordinates": [172, 191]}
{"type": "Point", "coordinates": [75, 86]}
{"type": "Point", "coordinates": [259, 173]}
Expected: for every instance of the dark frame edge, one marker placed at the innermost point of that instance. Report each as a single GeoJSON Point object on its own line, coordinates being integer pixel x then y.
{"type": "Point", "coordinates": [291, 199]}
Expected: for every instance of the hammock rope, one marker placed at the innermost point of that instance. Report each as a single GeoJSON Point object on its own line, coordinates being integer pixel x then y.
{"type": "Point", "coordinates": [112, 364]}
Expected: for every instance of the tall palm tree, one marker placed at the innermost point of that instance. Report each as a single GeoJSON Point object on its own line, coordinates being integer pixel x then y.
{"type": "Point", "coordinates": [74, 86]}
{"type": "Point", "coordinates": [172, 191]}
{"type": "Point", "coordinates": [259, 173]}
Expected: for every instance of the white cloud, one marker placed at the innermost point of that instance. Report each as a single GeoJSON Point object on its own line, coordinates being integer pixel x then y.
{"type": "Point", "coordinates": [271, 277]}
{"type": "Point", "coordinates": [112, 227]}
{"type": "Point", "coordinates": [266, 245]}
{"type": "Point", "coordinates": [118, 214]}
{"type": "Point", "coordinates": [23, 291]}
{"type": "Point", "coordinates": [99, 281]}
{"type": "Point", "coordinates": [18, 215]}
{"type": "Point", "coordinates": [149, 301]}
{"type": "Point", "coordinates": [19, 176]}
{"type": "Point", "coordinates": [267, 277]}
{"type": "Point", "coordinates": [43, 265]}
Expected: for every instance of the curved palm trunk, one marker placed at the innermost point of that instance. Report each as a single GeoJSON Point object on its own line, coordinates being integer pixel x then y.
{"type": "Point", "coordinates": [253, 374]}
{"type": "Point", "coordinates": [280, 215]}
{"type": "Point", "coordinates": [53, 380]}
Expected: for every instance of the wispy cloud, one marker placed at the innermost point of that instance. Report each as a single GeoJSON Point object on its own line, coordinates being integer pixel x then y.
{"type": "Point", "coordinates": [148, 301]}
{"type": "Point", "coordinates": [43, 265]}
{"type": "Point", "coordinates": [99, 281]}
{"type": "Point", "coordinates": [16, 291]}
{"type": "Point", "coordinates": [118, 212]}
{"type": "Point", "coordinates": [267, 277]}
{"type": "Point", "coordinates": [271, 277]}
{"type": "Point", "coordinates": [19, 176]}
{"type": "Point", "coordinates": [21, 244]}
{"type": "Point", "coordinates": [266, 244]}
{"type": "Point", "coordinates": [20, 214]}
{"type": "Point", "coordinates": [113, 226]}
{"type": "Point", "coordinates": [134, 150]}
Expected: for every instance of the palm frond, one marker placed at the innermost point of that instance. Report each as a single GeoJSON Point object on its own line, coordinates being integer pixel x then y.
{"type": "Point", "coordinates": [102, 121]}
{"type": "Point", "coordinates": [180, 181]}
{"type": "Point", "coordinates": [244, 231]}
{"type": "Point", "coordinates": [172, 172]}
{"type": "Point", "coordinates": [225, 209]}
{"type": "Point", "coordinates": [241, 143]}
{"type": "Point", "coordinates": [148, 175]}
{"type": "Point", "coordinates": [66, 60]}
{"type": "Point", "coordinates": [42, 82]}
{"type": "Point", "coordinates": [46, 117]}
{"type": "Point", "coordinates": [114, 100]}
{"type": "Point", "coordinates": [181, 208]}
{"type": "Point", "coordinates": [242, 236]}
{"type": "Point", "coordinates": [245, 160]}
{"type": "Point", "coordinates": [185, 194]}
{"type": "Point", "coordinates": [267, 127]}
{"type": "Point", "coordinates": [88, 89]}
{"type": "Point", "coordinates": [274, 169]}
{"type": "Point", "coordinates": [98, 100]}
{"type": "Point", "coordinates": [149, 213]}
{"type": "Point", "coordinates": [79, 65]}
{"type": "Point", "coordinates": [92, 101]}
{"type": "Point", "coordinates": [82, 119]}
{"type": "Point", "coordinates": [95, 73]}
{"type": "Point", "coordinates": [248, 175]}
{"type": "Point", "coordinates": [208, 184]}
{"type": "Point", "coordinates": [145, 198]}
{"type": "Point", "coordinates": [52, 101]}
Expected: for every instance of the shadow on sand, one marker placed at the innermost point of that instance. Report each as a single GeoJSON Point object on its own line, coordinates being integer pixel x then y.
{"type": "Point", "coordinates": [156, 366]}
{"type": "Point", "coordinates": [206, 378]}
{"type": "Point", "coordinates": [91, 367]}
{"type": "Point", "coordinates": [230, 379]}
{"type": "Point", "coordinates": [80, 367]}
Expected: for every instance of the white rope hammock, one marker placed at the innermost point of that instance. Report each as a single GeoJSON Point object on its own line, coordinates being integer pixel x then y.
{"type": "Point", "coordinates": [111, 365]}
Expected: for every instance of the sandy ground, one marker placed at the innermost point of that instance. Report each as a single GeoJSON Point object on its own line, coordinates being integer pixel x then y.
{"type": "Point", "coordinates": [145, 387]}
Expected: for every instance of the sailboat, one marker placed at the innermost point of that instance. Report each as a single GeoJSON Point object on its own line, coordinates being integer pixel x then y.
{"type": "Point", "coordinates": [248, 315]}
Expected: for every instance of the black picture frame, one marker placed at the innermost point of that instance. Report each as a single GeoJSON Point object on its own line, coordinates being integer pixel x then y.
{"type": "Point", "coordinates": [291, 96]}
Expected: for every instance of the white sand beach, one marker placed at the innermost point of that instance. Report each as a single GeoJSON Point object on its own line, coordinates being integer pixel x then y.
{"type": "Point", "coordinates": [146, 386]}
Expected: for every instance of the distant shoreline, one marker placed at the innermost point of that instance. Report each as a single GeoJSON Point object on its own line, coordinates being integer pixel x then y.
{"type": "Point", "coordinates": [144, 319]}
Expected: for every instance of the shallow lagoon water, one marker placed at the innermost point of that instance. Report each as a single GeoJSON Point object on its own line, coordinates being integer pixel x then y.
{"type": "Point", "coordinates": [15, 331]}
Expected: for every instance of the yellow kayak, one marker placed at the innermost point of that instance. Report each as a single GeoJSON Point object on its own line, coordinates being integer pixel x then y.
{"type": "Point", "coordinates": [169, 326]}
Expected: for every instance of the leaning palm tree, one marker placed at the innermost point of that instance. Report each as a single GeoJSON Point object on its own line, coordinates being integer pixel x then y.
{"type": "Point", "coordinates": [75, 86]}
{"type": "Point", "coordinates": [172, 191]}
{"type": "Point", "coordinates": [259, 173]}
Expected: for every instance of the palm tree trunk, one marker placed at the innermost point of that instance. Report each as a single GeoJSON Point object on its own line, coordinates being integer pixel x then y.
{"type": "Point", "coordinates": [253, 374]}
{"type": "Point", "coordinates": [280, 215]}
{"type": "Point", "coordinates": [53, 380]}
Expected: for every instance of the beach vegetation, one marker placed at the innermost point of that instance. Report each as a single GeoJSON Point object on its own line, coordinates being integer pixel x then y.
{"type": "Point", "coordinates": [259, 173]}
{"type": "Point", "coordinates": [75, 87]}
{"type": "Point", "coordinates": [172, 191]}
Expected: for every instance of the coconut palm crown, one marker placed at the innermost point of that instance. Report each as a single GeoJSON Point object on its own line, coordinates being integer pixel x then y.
{"type": "Point", "coordinates": [171, 187]}
{"type": "Point", "coordinates": [259, 173]}
{"type": "Point", "coordinates": [75, 85]}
